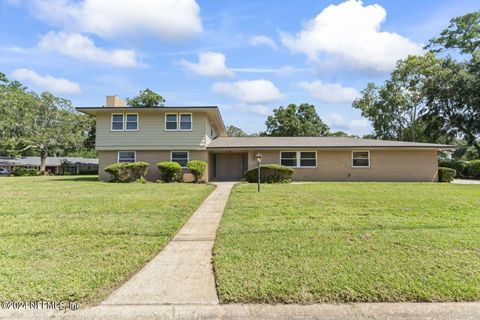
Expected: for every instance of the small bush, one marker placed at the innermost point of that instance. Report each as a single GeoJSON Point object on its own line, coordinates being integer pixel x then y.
{"type": "Point", "coordinates": [446, 174]}
{"type": "Point", "coordinates": [197, 168]}
{"type": "Point", "coordinates": [25, 172]}
{"type": "Point", "coordinates": [127, 171]}
{"type": "Point", "coordinates": [459, 166]}
{"type": "Point", "coordinates": [473, 169]}
{"type": "Point", "coordinates": [270, 173]}
{"type": "Point", "coordinates": [170, 170]}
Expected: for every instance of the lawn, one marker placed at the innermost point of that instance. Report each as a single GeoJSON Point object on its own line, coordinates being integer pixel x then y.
{"type": "Point", "coordinates": [345, 242]}
{"type": "Point", "coordinates": [76, 239]}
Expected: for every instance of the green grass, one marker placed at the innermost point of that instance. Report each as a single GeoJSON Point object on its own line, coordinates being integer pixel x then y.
{"type": "Point", "coordinates": [76, 239]}
{"type": "Point", "coordinates": [344, 242]}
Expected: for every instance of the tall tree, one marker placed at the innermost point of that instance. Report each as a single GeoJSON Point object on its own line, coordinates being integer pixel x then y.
{"type": "Point", "coordinates": [233, 131]}
{"type": "Point", "coordinates": [295, 121]}
{"type": "Point", "coordinates": [146, 99]}
{"type": "Point", "coordinates": [43, 123]}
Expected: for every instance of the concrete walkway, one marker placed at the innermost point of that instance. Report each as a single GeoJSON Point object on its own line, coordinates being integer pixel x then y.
{"type": "Point", "coordinates": [182, 272]}
{"type": "Point", "coordinates": [465, 181]}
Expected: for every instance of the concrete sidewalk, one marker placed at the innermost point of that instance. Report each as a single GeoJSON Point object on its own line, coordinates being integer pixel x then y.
{"type": "Point", "coordinates": [182, 272]}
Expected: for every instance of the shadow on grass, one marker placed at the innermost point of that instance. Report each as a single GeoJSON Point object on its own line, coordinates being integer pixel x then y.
{"type": "Point", "coordinates": [76, 178]}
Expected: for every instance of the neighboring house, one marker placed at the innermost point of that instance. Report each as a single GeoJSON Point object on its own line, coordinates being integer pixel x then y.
{"type": "Point", "coordinates": [55, 165]}
{"type": "Point", "coordinates": [180, 134]}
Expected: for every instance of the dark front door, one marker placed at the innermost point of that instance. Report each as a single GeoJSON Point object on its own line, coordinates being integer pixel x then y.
{"type": "Point", "coordinates": [229, 166]}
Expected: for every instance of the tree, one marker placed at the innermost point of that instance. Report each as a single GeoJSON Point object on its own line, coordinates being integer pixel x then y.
{"type": "Point", "coordinates": [233, 131]}
{"type": "Point", "coordinates": [146, 99]}
{"type": "Point", "coordinates": [44, 124]}
{"type": "Point", "coordinates": [295, 121]}
{"type": "Point", "coordinates": [462, 34]}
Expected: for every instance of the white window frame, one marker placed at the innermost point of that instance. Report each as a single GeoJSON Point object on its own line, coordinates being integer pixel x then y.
{"type": "Point", "coordinates": [297, 159]}
{"type": "Point", "coordinates": [134, 156]}
{"type": "Point", "coordinates": [369, 159]}
{"type": "Point", "coordinates": [125, 120]}
{"type": "Point", "coordinates": [179, 117]}
{"type": "Point", "coordinates": [176, 121]}
{"type": "Point", "coordinates": [188, 156]}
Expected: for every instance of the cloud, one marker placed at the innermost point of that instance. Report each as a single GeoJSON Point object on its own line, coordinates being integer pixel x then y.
{"type": "Point", "coordinates": [259, 109]}
{"type": "Point", "coordinates": [334, 119]}
{"type": "Point", "coordinates": [210, 64]}
{"type": "Point", "coordinates": [333, 93]}
{"type": "Point", "coordinates": [350, 33]}
{"type": "Point", "coordinates": [47, 82]}
{"type": "Point", "coordinates": [358, 124]}
{"type": "Point", "coordinates": [166, 19]}
{"type": "Point", "coordinates": [249, 91]}
{"type": "Point", "coordinates": [262, 40]}
{"type": "Point", "coordinates": [282, 71]}
{"type": "Point", "coordinates": [354, 126]}
{"type": "Point", "coordinates": [81, 47]}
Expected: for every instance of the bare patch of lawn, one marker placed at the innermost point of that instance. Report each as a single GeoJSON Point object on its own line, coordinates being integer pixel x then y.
{"type": "Point", "coordinates": [75, 238]}
{"type": "Point", "coordinates": [344, 242]}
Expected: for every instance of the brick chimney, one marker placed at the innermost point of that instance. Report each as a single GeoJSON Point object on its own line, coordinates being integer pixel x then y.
{"type": "Point", "coordinates": [114, 101]}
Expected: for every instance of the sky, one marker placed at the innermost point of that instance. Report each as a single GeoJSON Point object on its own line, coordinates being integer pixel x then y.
{"type": "Point", "coordinates": [247, 57]}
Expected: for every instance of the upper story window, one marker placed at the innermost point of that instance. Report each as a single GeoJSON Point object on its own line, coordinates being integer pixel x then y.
{"type": "Point", "coordinates": [127, 156]}
{"type": "Point", "coordinates": [125, 122]}
{"type": "Point", "coordinates": [131, 123]}
{"type": "Point", "coordinates": [178, 121]}
{"type": "Point", "coordinates": [117, 122]}
{"type": "Point", "coordinates": [360, 159]}
{"type": "Point", "coordinates": [299, 159]}
{"type": "Point", "coordinates": [171, 121]}
{"type": "Point", "coordinates": [185, 121]}
{"type": "Point", "coordinates": [179, 156]}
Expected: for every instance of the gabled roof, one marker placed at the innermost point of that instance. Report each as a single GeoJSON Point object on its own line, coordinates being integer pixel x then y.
{"type": "Point", "coordinates": [316, 142]}
{"type": "Point", "coordinates": [212, 111]}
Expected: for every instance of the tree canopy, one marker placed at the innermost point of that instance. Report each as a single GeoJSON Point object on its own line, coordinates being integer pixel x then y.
{"type": "Point", "coordinates": [146, 99]}
{"type": "Point", "coordinates": [40, 124]}
{"type": "Point", "coordinates": [233, 131]}
{"type": "Point", "coordinates": [295, 121]}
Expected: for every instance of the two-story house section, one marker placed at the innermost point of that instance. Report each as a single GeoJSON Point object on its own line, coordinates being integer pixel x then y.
{"type": "Point", "coordinates": [127, 134]}
{"type": "Point", "coordinates": [181, 134]}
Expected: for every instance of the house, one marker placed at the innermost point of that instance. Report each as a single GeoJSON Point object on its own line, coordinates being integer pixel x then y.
{"type": "Point", "coordinates": [55, 165]}
{"type": "Point", "coordinates": [126, 134]}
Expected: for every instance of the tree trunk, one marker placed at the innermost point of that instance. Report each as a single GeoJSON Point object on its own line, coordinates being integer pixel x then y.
{"type": "Point", "coordinates": [476, 145]}
{"type": "Point", "coordinates": [43, 161]}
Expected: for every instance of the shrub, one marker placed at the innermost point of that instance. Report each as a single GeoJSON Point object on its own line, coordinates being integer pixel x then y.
{"type": "Point", "coordinates": [127, 171]}
{"type": "Point", "coordinates": [459, 166]}
{"type": "Point", "coordinates": [473, 169]}
{"type": "Point", "coordinates": [446, 174]}
{"type": "Point", "coordinates": [19, 171]}
{"type": "Point", "coordinates": [270, 173]}
{"type": "Point", "coordinates": [197, 168]}
{"type": "Point", "coordinates": [170, 170]}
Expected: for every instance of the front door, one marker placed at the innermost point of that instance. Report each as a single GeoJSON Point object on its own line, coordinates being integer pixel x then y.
{"type": "Point", "coordinates": [229, 167]}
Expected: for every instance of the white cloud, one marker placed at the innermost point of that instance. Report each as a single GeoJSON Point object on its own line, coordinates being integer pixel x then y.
{"type": "Point", "coordinates": [329, 92]}
{"type": "Point", "coordinates": [167, 19]}
{"type": "Point", "coordinates": [358, 124]}
{"type": "Point", "coordinates": [249, 91]}
{"type": "Point", "coordinates": [262, 40]}
{"type": "Point", "coordinates": [354, 126]}
{"type": "Point", "coordinates": [350, 32]}
{"type": "Point", "coordinates": [259, 109]}
{"type": "Point", "coordinates": [81, 47]}
{"type": "Point", "coordinates": [282, 71]}
{"type": "Point", "coordinates": [47, 82]}
{"type": "Point", "coordinates": [334, 119]}
{"type": "Point", "coordinates": [211, 64]}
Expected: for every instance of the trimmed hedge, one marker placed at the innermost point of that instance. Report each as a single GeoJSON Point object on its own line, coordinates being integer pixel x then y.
{"type": "Point", "coordinates": [473, 169]}
{"type": "Point", "coordinates": [197, 168]}
{"type": "Point", "coordinates": [460, 166]}
{"type": "Point", "coordinates": [170, 171]}
{"type": "Point", "coordinates": [270, 173]}
{"type": "Point", "coordinates": [24, 172]}
{"type": "Point", "coordinates": [128, 171]}
{"type": "Point", "coordinates": [446, 174]}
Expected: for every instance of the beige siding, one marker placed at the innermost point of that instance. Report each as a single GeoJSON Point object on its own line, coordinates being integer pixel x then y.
{"type": "Point", "coordinates": [385, 165]}
{"type": "Point", "coordinates": [151, 134]}
{"type": "Point", "coordinates": [152, 157]}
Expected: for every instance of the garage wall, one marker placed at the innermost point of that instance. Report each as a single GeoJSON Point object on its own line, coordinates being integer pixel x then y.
{"type": "Point", "coordinates": [385, 165]}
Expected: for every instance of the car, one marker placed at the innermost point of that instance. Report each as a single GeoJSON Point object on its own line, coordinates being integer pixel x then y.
{"type": "Point", "coordinates": [4, 172]}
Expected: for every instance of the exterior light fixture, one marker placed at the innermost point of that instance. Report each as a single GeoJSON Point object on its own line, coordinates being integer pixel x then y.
{"type": "Point", "coordinates": [258, 157]}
